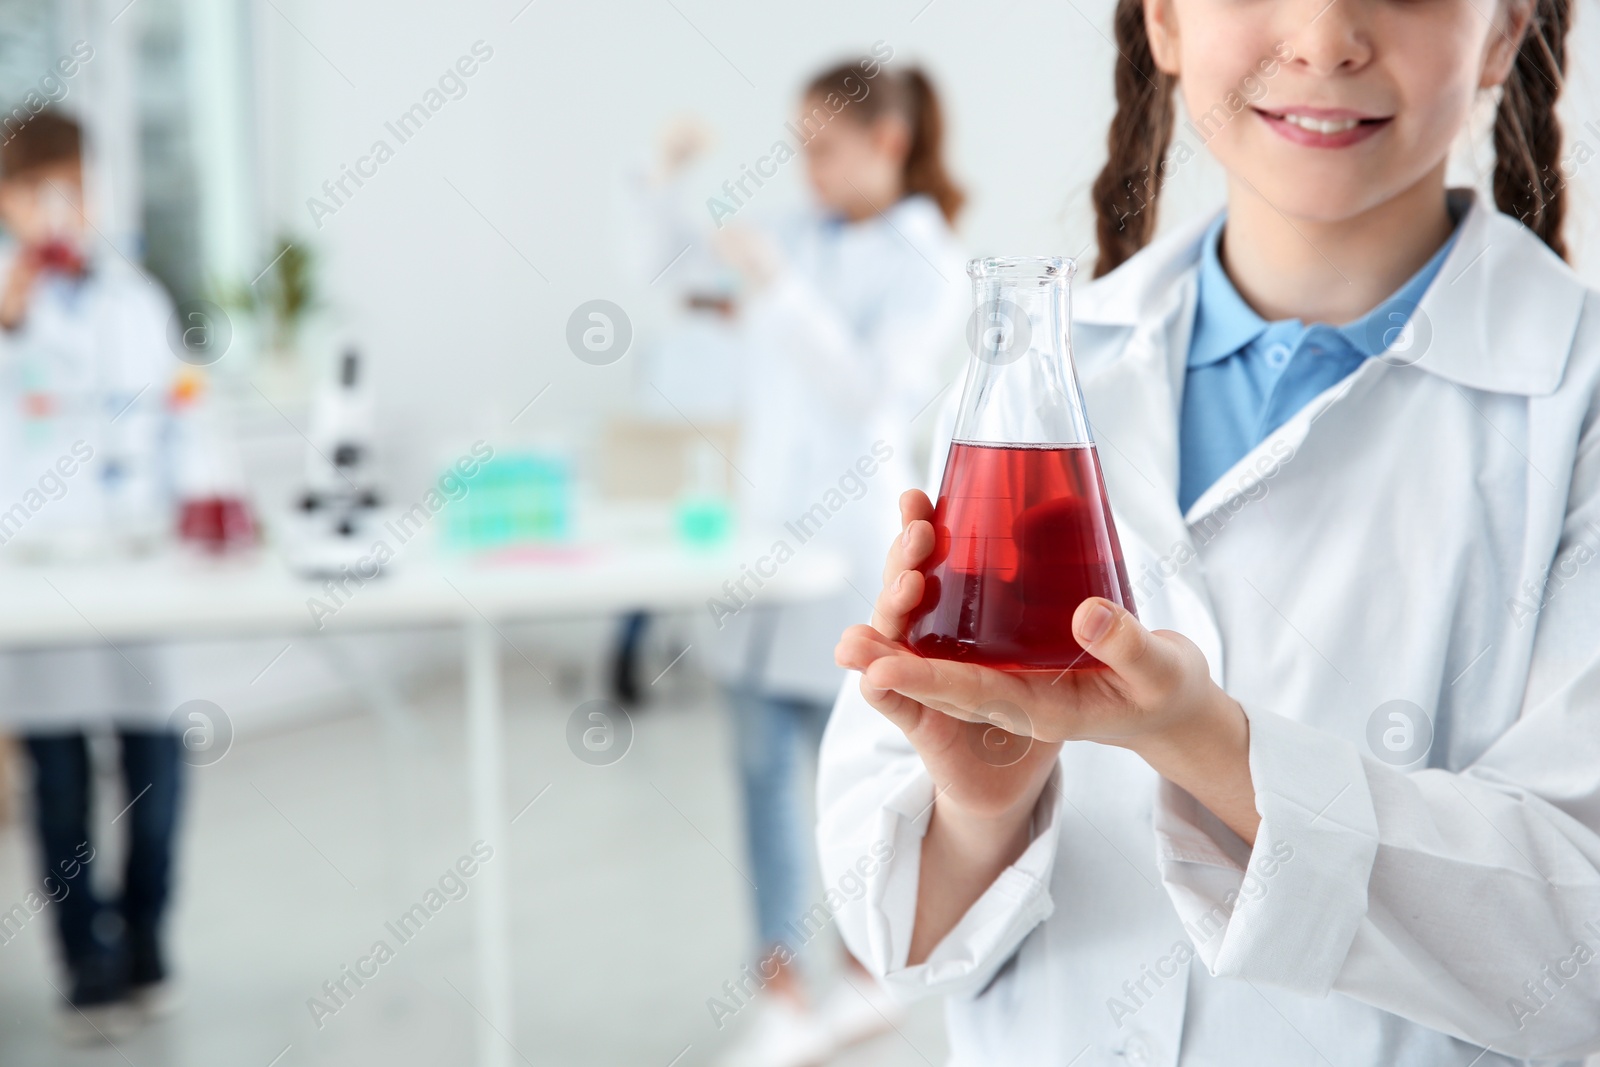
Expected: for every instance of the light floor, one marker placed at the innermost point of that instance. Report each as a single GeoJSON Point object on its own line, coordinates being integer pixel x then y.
{"type": "Point", "coordinates": [627, 910]}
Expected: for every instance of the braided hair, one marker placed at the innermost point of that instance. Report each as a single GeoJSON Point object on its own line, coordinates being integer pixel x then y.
{"type": "Point", "coordinates": [1528, 183]}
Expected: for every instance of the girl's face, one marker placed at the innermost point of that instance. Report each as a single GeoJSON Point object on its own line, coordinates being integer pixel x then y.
{"type": "Point", "coordinates": [854, 167]}
{"type": "Point", "coordinates": [1328, 108]}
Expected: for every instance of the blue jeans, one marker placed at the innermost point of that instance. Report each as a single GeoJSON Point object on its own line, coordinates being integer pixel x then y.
{"type": "Point", "coordinates": [102, 953]}
{"type": "Point", "coordinates": [775, 735]}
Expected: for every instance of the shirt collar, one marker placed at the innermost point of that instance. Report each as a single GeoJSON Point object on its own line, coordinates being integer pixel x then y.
{"type": "Point", "coordinates": [1224, 323]}
{"type": "Point", "coordinates": [1503, 317]}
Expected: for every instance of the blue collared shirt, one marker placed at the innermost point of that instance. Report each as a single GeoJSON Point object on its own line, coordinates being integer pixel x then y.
{"type": "Point", "coordinates": [1247, 376]}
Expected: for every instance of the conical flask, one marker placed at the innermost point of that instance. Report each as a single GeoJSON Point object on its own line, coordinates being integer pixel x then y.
{"type": "Point", "coordinates": [1023, 530]}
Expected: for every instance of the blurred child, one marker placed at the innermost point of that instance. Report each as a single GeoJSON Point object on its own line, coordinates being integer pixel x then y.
{"type": "Point", "coordinates": [84, 374]}
{"type": "Point", "coordinates": [842, 319]}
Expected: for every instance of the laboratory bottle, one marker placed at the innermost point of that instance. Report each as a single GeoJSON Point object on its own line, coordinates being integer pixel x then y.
{"type": "Point", "coordinates": [1023, 532]}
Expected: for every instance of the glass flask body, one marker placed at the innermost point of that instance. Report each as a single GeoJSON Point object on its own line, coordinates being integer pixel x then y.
{"type": "Point", "coordinates": [1023, 532]}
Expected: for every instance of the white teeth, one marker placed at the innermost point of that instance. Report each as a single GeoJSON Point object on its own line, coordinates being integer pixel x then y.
{"type": "Point", "coordinates": [1306, 122]}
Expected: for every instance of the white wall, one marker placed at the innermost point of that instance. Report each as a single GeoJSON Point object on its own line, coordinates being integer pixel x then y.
{"type": "Point", "coordinates": [463, 330]}
{"type": "Point", "coordinates": [459, 323]}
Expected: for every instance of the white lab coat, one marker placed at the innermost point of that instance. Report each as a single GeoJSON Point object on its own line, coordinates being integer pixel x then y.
{"type": "Point", "coordinates": [689, 368]}
{"type": "Point", "coordinates": [1409, 523]}
{"type": "Point", "coordinates": [95, 353]}
{"type": "Point", "coordinates": [841, 354]}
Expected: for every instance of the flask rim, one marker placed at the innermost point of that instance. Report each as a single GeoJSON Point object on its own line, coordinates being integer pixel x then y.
{"type": "Point", "coordinates": [1043, 268]}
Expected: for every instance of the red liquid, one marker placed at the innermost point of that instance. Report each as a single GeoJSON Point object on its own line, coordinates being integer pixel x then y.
{"type": "Point", "coordinates": [217, 523]}
{"type": "Point", "coordinates": [1023, 535]}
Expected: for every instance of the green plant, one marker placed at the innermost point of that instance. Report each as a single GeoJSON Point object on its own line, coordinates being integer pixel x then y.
{"type": "Point", "coordinates": [282, 295]}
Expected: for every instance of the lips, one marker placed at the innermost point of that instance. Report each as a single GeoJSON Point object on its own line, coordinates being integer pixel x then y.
{"type": "Point", "coordinates": [1320, 127]}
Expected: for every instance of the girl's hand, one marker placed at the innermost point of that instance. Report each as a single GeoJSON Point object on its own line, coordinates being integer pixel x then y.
{"type": "Point", "coordinates": [681, 141]}
{"type": "Point", "coordinates": [980, 772]}
{"type": "Point", "coordinates": [750, 252]}
{"type": "Point", "coordinates": [1155, 696]}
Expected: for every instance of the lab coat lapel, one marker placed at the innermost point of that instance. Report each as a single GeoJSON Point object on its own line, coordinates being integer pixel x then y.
{"type": "Point", "coordinates": [1250, 476]}
{"type": "Point", "coordinates": [1133, 390]}
{"type": "Point", "coordinates": [1502, 315]}
{"type": "Point", "coordinates": [1496, 265]}
{"type": "Point", "coordinates": [1132, 403]}
{"type": "Point", "coordinates": [1133, 382]}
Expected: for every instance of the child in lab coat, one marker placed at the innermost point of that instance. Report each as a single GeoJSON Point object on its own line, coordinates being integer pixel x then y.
{"type": "Point", "coordinates": [1336, 797]}
{"type": "Point", "coordinates": [84, 374]}
{"type": "Point", "coordinates": [845, 315]}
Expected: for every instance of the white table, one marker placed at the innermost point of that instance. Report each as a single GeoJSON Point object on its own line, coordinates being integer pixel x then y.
{"type": "Point", "coordinates": [177, 596]}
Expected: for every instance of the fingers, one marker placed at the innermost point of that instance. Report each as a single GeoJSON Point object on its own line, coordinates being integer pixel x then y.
{"type": "Point", "coordinates": [960, 690]}
{"type": "Point", "coordinates": [914, 504]}
{"type": "Point", "coordinates": [860, 645]}
{"type": "Point", "coordinates": [902, 582]}
{"type": "Point", "coordinates": [916, 535]}
{"type": "Point", "coordinates": [902, 711]}
{"type": "Point", "coordinates": [1113, 636]}
{"type": "Point", "coordinates": [891, 614]}
{"type": "Point", "coordinates": [889, 670]}
{"type": "Point", "coordinates": [858, 649]}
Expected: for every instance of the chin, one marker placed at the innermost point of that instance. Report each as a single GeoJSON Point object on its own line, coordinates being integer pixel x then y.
{"type": "Point", "coordinates": [1318, 194]}
{"type": "Point", "coordinates": [1317, 185]}
{"type": "Point", "coordinates": [1314, 199]}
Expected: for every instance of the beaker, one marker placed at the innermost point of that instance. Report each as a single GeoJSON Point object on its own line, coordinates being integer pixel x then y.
{"type": "Point", "coordinates": [1022, 529]}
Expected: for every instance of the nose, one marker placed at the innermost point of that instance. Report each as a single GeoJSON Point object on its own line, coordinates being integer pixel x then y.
{"type": "Point", "coordinates": [1329, 36]}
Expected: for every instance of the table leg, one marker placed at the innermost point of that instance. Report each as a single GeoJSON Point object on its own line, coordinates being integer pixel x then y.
{"type": "Point", "coordinates": [486, 775]}
{"type": "Point", "coordinates": [379, 691]}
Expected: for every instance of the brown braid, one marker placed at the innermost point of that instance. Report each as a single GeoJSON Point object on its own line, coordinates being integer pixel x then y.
{"type": "Point", "coordinates": [1126, 192]}
{"type": "Point", "coordinates": [1528, 183]}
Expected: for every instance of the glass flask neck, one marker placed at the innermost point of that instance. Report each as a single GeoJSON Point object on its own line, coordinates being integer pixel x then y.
{"type": "Point", "coordinates": [1021, 387]}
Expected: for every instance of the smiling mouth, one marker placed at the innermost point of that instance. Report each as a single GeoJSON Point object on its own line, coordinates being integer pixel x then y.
{"type": "Point", "coordinates": [1325, 122]}
{"type": "Point", "coordinates": [1315, 125]}
{"type": "Point", "coordinates": [1326, 127]}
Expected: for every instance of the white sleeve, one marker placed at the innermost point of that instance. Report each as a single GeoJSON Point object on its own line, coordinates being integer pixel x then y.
{"type": "Point", "coordinates": [660, 238]}
{"type": "Point", "coordinates": [131, 335]}
{"type": "Point", "coordinates": [137, 371]}
{"type": "Point", "coordinates": [1468, 902]}
{"type": "Point", "coordinates": [874, 801]}
{"type": "Point", "coordinates": [892, 364]}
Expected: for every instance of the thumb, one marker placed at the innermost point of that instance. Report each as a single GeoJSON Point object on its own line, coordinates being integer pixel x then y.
{"type": "Point", "coordinates": [1112, 635]}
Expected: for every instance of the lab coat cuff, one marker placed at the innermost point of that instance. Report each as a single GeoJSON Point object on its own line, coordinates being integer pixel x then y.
{"type": "Point", "coordinates": [1285, 911]}
{"type": "Point", "coordinates": [964, 962]}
